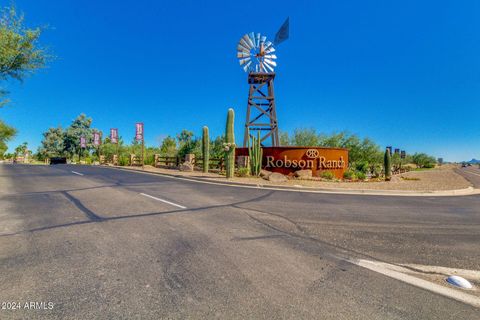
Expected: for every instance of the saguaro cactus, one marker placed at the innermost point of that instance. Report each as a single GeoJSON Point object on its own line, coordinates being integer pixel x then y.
{"type": "Point", "coordinates": [230, 145]}
{"type": "Point", "coordinates": [255, 152]}
{"type": "Point", "coordinates": [205, 149]}
{"type": "Point", "coordinates": [387, 163]}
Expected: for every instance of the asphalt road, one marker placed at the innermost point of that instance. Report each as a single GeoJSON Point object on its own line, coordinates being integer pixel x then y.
{"type": "Point", "coordinates": [472, 174]}
{"type": "Point", "coordinates": [101, 243]}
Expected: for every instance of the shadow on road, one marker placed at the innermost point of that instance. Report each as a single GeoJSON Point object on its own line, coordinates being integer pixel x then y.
{"type": "Point", "coordinates": [94, 218]}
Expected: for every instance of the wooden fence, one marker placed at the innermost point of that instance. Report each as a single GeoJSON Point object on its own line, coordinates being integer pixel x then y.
{"type": "Point", "coordinates": [216, 164]}
{"type": "Point", "coordinates": [166, 162]}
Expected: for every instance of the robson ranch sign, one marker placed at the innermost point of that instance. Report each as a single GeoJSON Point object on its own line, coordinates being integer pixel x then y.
{"type": "Point", "coordinates": [287, 160]}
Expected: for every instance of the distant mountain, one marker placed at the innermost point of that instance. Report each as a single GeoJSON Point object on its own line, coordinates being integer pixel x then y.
{"type": "Point", "coordinates": [473, 161]}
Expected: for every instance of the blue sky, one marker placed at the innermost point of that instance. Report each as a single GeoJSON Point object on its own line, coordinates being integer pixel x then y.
{"type": "Point", "coordinates": [404, 73]}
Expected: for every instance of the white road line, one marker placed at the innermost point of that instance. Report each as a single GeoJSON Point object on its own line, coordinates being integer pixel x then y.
{"type": "Point", "coordinates": [75, 172]}
{"type": "Point", "coordinates": [396, 272]}
{"type": "Point", "coordinates": [165, 201]}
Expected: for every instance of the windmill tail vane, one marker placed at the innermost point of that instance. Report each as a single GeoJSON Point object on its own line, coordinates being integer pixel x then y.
{"type": "Point", "coordinates": [282, 33]}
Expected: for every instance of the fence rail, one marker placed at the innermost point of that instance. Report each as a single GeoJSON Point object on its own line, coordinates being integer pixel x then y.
{"type": "Point", "coordinates": [168, 162]}
{"type": "Point", "coordinates": [215, 164]}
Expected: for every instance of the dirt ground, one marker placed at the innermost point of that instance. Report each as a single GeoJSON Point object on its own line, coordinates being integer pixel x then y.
{"type": "Point", "coordinates": [437, 179]}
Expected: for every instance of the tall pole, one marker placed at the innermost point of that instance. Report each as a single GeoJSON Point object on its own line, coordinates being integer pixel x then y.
{"type": "Point", "coordinates": [114, 138]}
{"type": "Point", "coordinates": [143, 153]}
{"type": "Point", "coordinates": [140, 135]}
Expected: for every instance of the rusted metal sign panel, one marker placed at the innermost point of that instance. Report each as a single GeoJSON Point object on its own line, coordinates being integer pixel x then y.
{"type": "Point", "coordinates": [287, 160]}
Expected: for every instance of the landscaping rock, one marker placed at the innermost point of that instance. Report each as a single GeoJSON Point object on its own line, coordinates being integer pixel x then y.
{"type": "Point", "coordinates": [265, 174]}
{"type": "Point", "coordinates": [277, 177]}
{"type": "Point", "coordinates": [303, 174]}
{"type": "Point", "coordinates": [186, 166]}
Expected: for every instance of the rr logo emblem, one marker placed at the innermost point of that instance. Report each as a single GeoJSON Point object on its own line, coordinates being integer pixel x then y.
{"type": "Point", "coordinates": [312, 153]}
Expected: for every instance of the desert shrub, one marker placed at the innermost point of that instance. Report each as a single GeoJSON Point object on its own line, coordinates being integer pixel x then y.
{"type": "Point", "coordinates": [362, 166]}
{"type": "Point", "coordinates": [149, 159]}
{"type": "Point", "coordinates": [327, 175]}
{"type": "Point", "coordinates": [243, 172]}
{"type": "Point", "coordinates": [123, 160]}
{"type": "Point", "coordinates": [348, 175]}
{"type": "Point", "coordinates": [429, 165]}
{"type": "Point", "coordinates": [360, 175]}
{"type": "Point", "coordinates": [376, 170]}
{"type": "Point", "coordinates": [423, 160]}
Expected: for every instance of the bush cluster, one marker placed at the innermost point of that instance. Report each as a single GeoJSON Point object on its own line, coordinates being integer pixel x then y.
{"type": "Point", "coordinates": [354, 175]}
{"type": "Point", "coordinates": [243, 172]}
{"type": "Point", "coordinates": [328, 175]}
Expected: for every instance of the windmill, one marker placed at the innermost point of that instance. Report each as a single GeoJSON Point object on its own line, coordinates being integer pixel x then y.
{"type": "Point", "coordinates": [255, 53]}
{"type": "Point", "coordinates": [257, 57]}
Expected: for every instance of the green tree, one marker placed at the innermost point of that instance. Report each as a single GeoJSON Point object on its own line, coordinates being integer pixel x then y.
{"type": "Point", "coordinates": [150, 155]}
{"type": "Point", "coordinates": [21, 150]}
{"type": "Point", "coordinates": [168, 147]}
{"type": "Point", "coordinates": [363, 154]}
{"type": "Point", "coordinates": [20, 53]}
{"type": "Point", "coordinates": [284, 138]}
{"type": "Point", "coordinates": [396, 161]}
{"type": "Point", "coordinates": [188, 144]}
{"type": "Point", "coordinates": [81, 126]}
{"type": "Point", "coordinates": [217, 150]}
{"type": "Point", "coordinates": [6, 134]}
{"type": "Point", "coordinates": [423, 160]}
{"type": "Point", "coordinates": [334, 140]}
{"type": "Point", "coordinates": [53, 143]}
{"type": "Point", "coordinates": [305, 138]}
{"type": "Point", "coordinates": [108, 149]}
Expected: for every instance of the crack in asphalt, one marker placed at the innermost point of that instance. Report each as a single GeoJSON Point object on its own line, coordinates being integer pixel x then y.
{"type": "Point", "coordinates": [304, 236]}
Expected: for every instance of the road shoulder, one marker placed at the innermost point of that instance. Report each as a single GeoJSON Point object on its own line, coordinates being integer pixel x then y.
{"type": "Point", "coordinates": [216, 179]}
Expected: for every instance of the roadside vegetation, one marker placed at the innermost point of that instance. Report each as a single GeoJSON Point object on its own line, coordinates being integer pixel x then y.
{"type": "Point", "coordinates": [60, 142]}
{"type": "Point", "coordinates": [366, 158]}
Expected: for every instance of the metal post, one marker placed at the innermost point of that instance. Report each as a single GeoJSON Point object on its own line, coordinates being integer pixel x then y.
{"type": "Point", "coordinates": [143, 151]}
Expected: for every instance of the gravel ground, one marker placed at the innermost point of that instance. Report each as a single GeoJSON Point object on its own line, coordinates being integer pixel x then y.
{"type": "Point", "coordinates": [443, 178]}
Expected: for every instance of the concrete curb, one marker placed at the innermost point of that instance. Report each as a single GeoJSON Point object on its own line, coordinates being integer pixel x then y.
{"type": "Point", "coordinates": [367, 192]}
